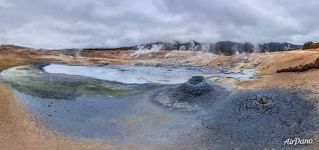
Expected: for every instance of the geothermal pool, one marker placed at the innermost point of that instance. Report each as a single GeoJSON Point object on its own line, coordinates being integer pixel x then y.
{"type": "Point", "coordinates": [131, 74]}
{"type": "Point", "coordinates": [116, 119]}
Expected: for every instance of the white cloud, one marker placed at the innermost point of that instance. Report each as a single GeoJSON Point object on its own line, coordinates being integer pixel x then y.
{"type": "Point", "coordinates": [4, 3]}
{"type": "Point", "coordinates": [111, 23]}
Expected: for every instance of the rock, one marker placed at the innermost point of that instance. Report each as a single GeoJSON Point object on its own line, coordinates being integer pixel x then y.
{"type": "Point", "coordinates": [159, 65]}
{"type": "Point", "coordinates": [102, 64]}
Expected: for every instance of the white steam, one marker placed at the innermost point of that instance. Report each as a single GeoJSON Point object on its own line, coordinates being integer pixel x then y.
{"type": "Point", "coordinates": [142, 50]}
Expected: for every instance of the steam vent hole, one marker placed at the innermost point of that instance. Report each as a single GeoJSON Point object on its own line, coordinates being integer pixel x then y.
{"type": "Point", "coordinates": [262, 100]}
{"type": "Point", "coordinates": [196, 80]}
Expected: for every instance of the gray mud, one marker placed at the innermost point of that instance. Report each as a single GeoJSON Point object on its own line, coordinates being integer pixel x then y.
{"type": "Point", "coordinates": [114, 120]}
{"type": "Point", "coordinates": [260, 119]}
{"type": "Point", "coordinates": [192, 115]}
{"type": "Point", "coordinates": [196, 94]}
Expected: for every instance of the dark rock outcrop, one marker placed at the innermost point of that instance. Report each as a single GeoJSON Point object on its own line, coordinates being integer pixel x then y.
{"type": "Point", "coordinates": [301, 68]}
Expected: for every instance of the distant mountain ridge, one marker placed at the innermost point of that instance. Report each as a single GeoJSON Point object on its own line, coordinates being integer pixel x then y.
{"type": "Point", "coordinates": [222, 47]}
{"type": "Point", "coordinates": [219, 48]}
{"type": "Point", "coordinates": [176, 45]}
{"type": "Point", "coordinates": [275, 46]}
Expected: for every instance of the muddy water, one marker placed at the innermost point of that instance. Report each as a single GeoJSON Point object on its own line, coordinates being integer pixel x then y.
{"type": "Point", "coordinates": [144, 74]}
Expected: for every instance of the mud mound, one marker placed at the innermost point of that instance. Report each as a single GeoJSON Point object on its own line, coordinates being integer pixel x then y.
{"type": "Point", "coordinates": [192, 95]}
{"type": "Point", "coordinates": [195, 86]}
{"type": "Point", "coordinates": [263, 119]}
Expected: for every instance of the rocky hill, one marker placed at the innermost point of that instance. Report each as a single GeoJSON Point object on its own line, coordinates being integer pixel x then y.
{"type": "Point", "coordinates": [220, 48]}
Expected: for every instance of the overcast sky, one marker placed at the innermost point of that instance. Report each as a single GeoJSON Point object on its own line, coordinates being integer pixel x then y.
{"type": "Point", "coordinates": [112, 23]}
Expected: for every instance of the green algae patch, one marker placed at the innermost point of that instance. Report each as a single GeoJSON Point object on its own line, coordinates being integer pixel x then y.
{"type": "Point", "coordinates": [103, 88]}
{"type": "Point", "coordinates": [34, 81]}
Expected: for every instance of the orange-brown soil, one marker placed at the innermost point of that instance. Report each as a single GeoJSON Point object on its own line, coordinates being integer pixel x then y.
{"type": "Point", "coordinates": [286, 70]}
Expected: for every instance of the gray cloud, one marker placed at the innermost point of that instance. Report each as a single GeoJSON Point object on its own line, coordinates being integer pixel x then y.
{"type": "Point", "coordinates": [111, 23]}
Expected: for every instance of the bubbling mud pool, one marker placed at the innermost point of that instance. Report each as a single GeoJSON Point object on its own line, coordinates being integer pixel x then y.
{"type": "Point", "coordinates": [178, 113]}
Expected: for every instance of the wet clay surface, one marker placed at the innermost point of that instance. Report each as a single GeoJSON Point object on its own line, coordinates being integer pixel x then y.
{"type": "Point", "coordinates": [262, 119]}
